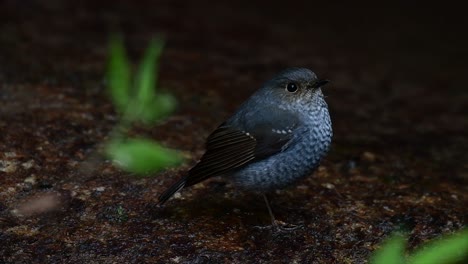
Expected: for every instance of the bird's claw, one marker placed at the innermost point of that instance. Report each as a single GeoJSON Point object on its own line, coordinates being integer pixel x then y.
{"type": "Point", "coordinates": [283, 226]}
{"type": "Point", "coordinates": [280, 226]}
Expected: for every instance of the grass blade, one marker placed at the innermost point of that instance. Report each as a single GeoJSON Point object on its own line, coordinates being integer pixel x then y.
{"type": "Point", "coordinates": [118, 74]}
{"type": "Point", "coordinates": [443, 251]}
{"type": "Point", "coordinates": [391, 252]}
{"type": "Point", "coordinates": [146, 77]}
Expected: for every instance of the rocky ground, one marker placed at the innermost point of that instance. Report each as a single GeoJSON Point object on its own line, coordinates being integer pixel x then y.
{"type": "Point", "coordinates": [398, 103]}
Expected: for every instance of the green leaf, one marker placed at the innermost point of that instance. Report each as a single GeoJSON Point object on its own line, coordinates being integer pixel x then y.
{"type": "Point", "coordinates": [443, 251]}
{"type": "Point", "coordinates": [161, 107]}
{"type": "Point", "coordinates": [146, 77]}
{"type": "Point", "coordinates": [118, 74]}
{"type": "Point", "coordinates": [391, 252]}
{"type": "Point", "coordinates": [142, 156]}
{"type": "Point", "coordinates": [165, 104]}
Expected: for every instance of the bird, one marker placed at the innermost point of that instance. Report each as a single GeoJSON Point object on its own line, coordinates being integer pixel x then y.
{"type": "Point", "coordinates": [276, 137]}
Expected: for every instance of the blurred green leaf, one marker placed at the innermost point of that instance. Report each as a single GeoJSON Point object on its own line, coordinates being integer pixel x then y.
{"type": "Point", "coordinates": [161, 107]}
{"type": "Point", "coordinates": [165, 105]}
{"type": "Point", "coordinates": [138, 104]}
{"type": "Point", "coordinates": [146, 79]}
{"type": "Point", "coordinates": [391, 252]}
{"type": "Point", "coordinates": [443, 251]}
{"type": "Point", "coordinates": [118, 74]}
{"type": "Point", "coordinates": [142, 156]}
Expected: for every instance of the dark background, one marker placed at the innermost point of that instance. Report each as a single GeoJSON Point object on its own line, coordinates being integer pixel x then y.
{"type": "Point", "coordinates": [398, 102]}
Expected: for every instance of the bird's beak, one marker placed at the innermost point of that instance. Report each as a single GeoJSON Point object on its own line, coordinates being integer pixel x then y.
{"type": "Point", "coordinates": [320, 83]}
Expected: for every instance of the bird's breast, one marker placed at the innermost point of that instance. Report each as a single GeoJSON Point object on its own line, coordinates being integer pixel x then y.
{"type": "Point", "coordinates": [310, 143]}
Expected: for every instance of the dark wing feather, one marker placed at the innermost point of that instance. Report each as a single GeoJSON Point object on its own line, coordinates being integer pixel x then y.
{"type": "Point", "coordinates": [171, 190]}
{"type": "Point", "coordinates": [269, 143]}
{"type": "Point", "coordinates": [229, 148]}
{"type": "Point", "coordinates": [226, 149]}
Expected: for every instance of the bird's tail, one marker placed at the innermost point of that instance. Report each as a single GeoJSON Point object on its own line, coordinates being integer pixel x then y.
{"type": "Point", "coordinates": [172, 190]}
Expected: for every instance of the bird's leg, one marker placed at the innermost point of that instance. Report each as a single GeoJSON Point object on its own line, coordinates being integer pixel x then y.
{"type": "Point", "coordinates": [272, 216]}
{"type": "Point", "coordinates": [279, 225]}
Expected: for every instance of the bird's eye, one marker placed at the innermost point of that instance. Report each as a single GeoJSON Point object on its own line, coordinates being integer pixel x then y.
{"type": "Point", "coordinates": [291, 87]}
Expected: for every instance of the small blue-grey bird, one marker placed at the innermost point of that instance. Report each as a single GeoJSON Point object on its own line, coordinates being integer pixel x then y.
{"type": "Point", "coordinates": [275, 138]}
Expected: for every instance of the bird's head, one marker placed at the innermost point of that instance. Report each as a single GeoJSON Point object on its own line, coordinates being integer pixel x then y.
{"type": "Point", "coordinates": [295, 88]}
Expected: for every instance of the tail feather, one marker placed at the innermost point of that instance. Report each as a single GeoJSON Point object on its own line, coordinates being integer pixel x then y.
{"type": "Point", "coordinates": [172, 190]}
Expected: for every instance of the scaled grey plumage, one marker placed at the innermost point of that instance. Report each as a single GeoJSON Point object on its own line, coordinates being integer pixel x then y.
{"type": "Point", "coordinates": [278, 136]}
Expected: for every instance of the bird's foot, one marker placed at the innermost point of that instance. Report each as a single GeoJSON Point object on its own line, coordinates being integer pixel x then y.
{"type": "Point", "coordinates": [283, 226]}
{"type": "Point", "coordinates": [280, 226]}
{"type": "Point", "coordinates": [276, 224]}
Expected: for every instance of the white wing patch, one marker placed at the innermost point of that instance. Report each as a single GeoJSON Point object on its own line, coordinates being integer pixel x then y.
{"type": "Point", "coordinates": [281, 131]}
{"type": "Point", "coordinates": [248, 134]}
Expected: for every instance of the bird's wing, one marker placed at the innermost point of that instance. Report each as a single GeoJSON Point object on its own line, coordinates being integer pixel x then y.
{"type": "Point", "coordinates": [226, 149]}
{"type": "Point", "coordinates": [232, 146]}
